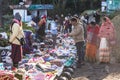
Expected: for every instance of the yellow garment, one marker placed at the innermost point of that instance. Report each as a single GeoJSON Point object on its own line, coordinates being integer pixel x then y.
{"type": "Point", "coordinates": [91, 51]}
{"type": "Point", "coordinates": [17, 31]}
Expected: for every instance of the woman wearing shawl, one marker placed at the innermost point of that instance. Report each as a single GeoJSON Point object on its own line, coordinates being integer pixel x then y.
{"type": "Point", "coordinates": [107, 35]}
{"type": "Point", "coordinates": [16, 31]}
{"type": "Point", "coordinates": [92, 41]}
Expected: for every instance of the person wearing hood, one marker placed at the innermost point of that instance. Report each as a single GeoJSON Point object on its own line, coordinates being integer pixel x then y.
{"type": "Point", "coordinates": [78, 35]}
{"type": "Point", "coordinates": [16, 32]}
{"type": "Point", "coordinates": [107, 36]}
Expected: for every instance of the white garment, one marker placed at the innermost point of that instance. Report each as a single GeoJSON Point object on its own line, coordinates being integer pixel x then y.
{"type": "Point", "coordinates": [53, 27]}
{"type": "Point", "coordinates": [103, 43]}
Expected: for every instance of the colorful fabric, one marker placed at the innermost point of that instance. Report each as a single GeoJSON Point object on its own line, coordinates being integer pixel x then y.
{"type": "Point", "coordinates": [91, 50]}
{"type": "Point", "coordinates": [104, 52]}
{"type": "Point", "coordinates": [16, 53]}
{"type": "Point", "coordinates": [6, 75]}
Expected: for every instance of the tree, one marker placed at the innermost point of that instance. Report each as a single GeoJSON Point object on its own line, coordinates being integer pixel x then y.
{"type": "Point", "coordinates": [0, 13]}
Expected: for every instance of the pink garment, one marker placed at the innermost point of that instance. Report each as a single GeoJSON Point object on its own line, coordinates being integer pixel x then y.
{"type": "Point", "coordinates": [15, 20]}
{"type": "Point", "coordinates": [107, 30]}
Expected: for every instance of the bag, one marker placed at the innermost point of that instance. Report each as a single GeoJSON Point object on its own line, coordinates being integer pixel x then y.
{"type": "Point", "coordinates": [22, 41]}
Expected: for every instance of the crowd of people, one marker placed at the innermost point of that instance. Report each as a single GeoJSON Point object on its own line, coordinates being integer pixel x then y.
{"type": "Point", "coordinates": [93, 34]}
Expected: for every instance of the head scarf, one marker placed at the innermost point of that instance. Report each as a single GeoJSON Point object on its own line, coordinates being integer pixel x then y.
{"type": "Point", "coordinates": [107, 29]}
{"type": "Point", "coordinates": [17, 16]}
{"type": "Point", "coordinates": [17, 19]}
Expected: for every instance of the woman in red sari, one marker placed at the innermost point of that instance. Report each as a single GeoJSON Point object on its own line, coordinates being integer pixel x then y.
{"type": "Point", "coordinates": [107, 36]}
{"type": "Point", "coordinates": [92, 41]}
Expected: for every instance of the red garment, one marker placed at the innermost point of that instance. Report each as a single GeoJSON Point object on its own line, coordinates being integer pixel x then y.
{"type": "Point", "coordinates": [16, 53]}
{"type": "Point", "coordinates": [107, 30]}
{"type": "Point", "coordinates": [92, 34]}
{"type": "Point", "coordinates": [95, 29]}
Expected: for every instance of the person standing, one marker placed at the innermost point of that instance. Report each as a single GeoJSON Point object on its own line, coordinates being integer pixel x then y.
{"type": "Point", "coordinates": [42, 27]}
{"type": "Point", "coordinates": [97, 17]}
{"type": "Point", "coordinates": [53, 30]}
{"type": "Point", "coordinates": [78, 36]}
{"type": "Point", "coordinates": [107, 36]}
{"type": "Point", "coordinates": [16, 32]}
{"type": "Point", "coordinates": [92, 41]}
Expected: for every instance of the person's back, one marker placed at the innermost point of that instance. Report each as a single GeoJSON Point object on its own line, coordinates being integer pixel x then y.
{"type": "Point", "coordinates": [27, 48]}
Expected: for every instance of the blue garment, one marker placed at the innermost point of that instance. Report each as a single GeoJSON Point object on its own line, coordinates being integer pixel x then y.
{"type": "Point", "coordinates": [53, 27]}
{"type": "Point", "coordinates": [27, 48]}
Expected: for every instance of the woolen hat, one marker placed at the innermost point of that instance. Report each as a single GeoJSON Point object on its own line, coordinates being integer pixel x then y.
{"type": "Point", "coordinates": [17, 16]}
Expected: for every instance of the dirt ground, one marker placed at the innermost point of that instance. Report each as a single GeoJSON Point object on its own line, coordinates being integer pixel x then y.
{"type": "Point", "coordinates": [96, 71]}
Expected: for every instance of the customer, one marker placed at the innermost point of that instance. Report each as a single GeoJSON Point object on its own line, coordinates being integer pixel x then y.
{"type": "Point", "coordinates": [107, 35]}
{"type": "Point", "coordinates": [16, 32]}
{"type": "Point", "coordinates": [42, 27]}
{"type": "Point", "coordinates": [92, 41]}
{"type": "Point", "coordinates": [78, 36]}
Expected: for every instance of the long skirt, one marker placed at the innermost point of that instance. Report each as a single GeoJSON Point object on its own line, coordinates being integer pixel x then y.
{"type": "Point", "coordinates": [104, 52]}
{"type": "Point", "coordinates": [91, 50]}
{"type": "Point", "coordinates": [16, 53]}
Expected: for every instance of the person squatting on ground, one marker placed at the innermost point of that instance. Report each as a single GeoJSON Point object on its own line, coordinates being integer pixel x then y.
{"type": "Point", "coordinates": [78, 36]}
{"type": "Point", "coordinates": [92, 41]}
{"type": "Point", "coordinates": [16, 32]}
{"type": "Point", "coordinates": [107, 36]}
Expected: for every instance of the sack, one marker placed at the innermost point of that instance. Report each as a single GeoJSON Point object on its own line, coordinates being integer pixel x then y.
{"type": "Point", "coordinates": [22, 41]}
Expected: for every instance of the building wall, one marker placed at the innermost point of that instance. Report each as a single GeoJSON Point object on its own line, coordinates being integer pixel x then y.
{"type": "Point", "coordinates": [113, 4]}
{"type": "Point", "coordinates": [26, 17]}
{"type": "Point", "coordinates": [23, 13]}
